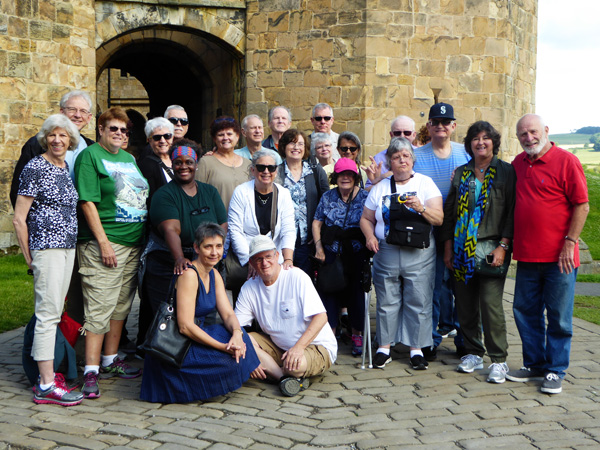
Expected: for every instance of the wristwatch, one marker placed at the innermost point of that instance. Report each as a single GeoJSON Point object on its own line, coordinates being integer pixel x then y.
{"type": "Point", "coordinates": [569, 238]}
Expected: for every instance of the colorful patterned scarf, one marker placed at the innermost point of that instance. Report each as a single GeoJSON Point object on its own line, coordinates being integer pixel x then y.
{"type": "Point", "coordinates": [465, 232]}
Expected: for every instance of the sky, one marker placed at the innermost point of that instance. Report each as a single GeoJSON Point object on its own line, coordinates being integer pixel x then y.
{"type": "Point", "coordinates": [568, 64]}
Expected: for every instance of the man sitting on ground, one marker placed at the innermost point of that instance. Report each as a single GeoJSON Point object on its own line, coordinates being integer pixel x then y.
{"type": "Point", "coordinates": [296, 340]}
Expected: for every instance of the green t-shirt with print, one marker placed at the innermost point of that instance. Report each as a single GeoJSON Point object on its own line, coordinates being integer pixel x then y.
{"type": "Point", "coordinates": [115, 184]}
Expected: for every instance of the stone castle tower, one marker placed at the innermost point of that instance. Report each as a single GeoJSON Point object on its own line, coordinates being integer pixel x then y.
{"type": "Point", "coordinates": [370, 59]}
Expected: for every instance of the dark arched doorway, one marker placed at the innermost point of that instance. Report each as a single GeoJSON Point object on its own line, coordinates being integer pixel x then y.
{"type": "Point", "coordinates": [182, 66]}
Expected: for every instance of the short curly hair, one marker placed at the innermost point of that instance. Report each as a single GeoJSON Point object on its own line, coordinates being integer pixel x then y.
{"type": "Point", "coordinates": [224, 123]}
{"type": "Point", "coordinates": [477, 128]}
{"type": "Point", "coordinates": [58, 121]}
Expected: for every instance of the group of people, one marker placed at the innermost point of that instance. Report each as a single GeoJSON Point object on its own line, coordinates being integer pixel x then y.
{"type": "Point", "coordinates": [440, 221]}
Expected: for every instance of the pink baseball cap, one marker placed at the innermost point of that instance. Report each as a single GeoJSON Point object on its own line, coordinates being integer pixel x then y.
{"type": "Point", "coordinates": [344, 164]}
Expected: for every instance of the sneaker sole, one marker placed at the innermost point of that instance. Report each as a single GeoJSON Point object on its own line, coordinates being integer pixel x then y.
{"type": "Point", "coordinates": [491, 380]}
{"type": "Point", "coordinates": [523, 379]}
{"type": "Point", "coordinates": [290, 387]}
{"type": "Point", "coordinates": [420, 367]}
{"type": "Point", "coordinates": [91, 395]}
{"type": "Point", "coordinates": [551, 390]}
{"type": "Point", "coordinates": [462, 370]}
{"type": "Point", "coordinates": [45, 401]}
{"type": "Point", "coordinates": [387, 361]}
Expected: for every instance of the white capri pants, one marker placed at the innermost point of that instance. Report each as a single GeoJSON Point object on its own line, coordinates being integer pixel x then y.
{"type": "Point", "coordinates": [404, 279]}
{"type": "Point", "coordinates": [52, 270]}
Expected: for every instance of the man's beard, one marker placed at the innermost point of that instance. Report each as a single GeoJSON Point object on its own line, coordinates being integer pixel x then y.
{"type": "Point", "coordinates": [533, 151]}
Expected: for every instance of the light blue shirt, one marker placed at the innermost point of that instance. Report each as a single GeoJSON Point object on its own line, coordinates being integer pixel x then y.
{"type": "Point", "coordinates": [245, 153]}
{"type": "Point", "coordinates": [71, 156]}
{"type": "Point", "coordinates": [438, 169]}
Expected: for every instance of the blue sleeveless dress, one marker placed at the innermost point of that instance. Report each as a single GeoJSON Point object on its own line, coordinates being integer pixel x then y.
{"type": "Point", "coordinates": [206, 372]}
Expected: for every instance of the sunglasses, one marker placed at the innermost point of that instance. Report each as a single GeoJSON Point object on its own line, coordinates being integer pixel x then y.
{"type": "Point", "coordinates": [114, 129]}
{"type": "Point", "coordinates": [322, 118]}
{"type": "Point", "coordinates": [444, 122]}
{"type": "Point", "coordinates": [400, 133]}
{"type": "Point", "coordinates": [348, 149]}
{"type": "Point", "coordinates": [176, 120]}
{"type": "Point", "coordinates": [261, 167]}
{"type": "Point", "coordinates": [158, 137]}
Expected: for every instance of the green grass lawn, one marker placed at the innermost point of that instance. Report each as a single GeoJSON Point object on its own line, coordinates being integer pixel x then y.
{"type": "Point", "coordinates": [587, 308]}
{"type": "Point", "coordinates": [16, 306]}
{"type": "Point", "coordinates": [591, 230]}
{"type": "Point", "coordinates": [570, 138]}
{"type": "Point", "coordinates": [591, 278]}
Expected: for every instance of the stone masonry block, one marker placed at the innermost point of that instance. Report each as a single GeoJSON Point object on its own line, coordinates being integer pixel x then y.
{"type": "Point", "coordinates": [459, 64]}
{"type": "Point", "coordinates": [258, 23]}
{"type": "Point", "coordinates": [316, 78]}
{"type": "Point", "coordinates": [40, 29]}
{"type": "Point", "coordinates": [301, 58]}
{"type": "Point", "coordinates": [270, 78]}
{"type": "Point", "coordinates": [325, 20]}
{"type": "Point", "coordinates": [452, 7]}
{"type": "Point", "coordinates": [495, 47]}
{"type": "Point", "coordinates": [477, 7]}
{"type": "Point", "coordinates": [280, 59]}
{"type": "Point", "coordinates": [433, 68]}
{"type": "Point", "coordinates": [472, 46]}
{"type": "Point", "coordinates": [332, 95]}
{"type": "Point", "coordinates": [17, 27]}
{"type": "Point", "coordinates": [439, 25]}
{"type": "Point", "coordinates": [267, 41]}
{"type": "Point", "coordinates": [484, 27]}
{"type": "Point", "coordinates": [286, 40]}
{"type": "Point", "coordinates": [64, 13]}
{"type": "Point", "coordinates": [293, 78]}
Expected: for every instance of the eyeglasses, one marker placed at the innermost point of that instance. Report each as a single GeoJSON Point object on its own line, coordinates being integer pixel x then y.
{"type": "Point", "coordinates": [197, 212]}
{"type": "Point", "coordinates": [261, 167]}
{"type": "Point", "coordinates": [114, 129]}
{"type": "Point", "coordinates": [267, 258]}
{"type": "Point", "coordinates": [175, 120]}
{"type": "Point", "coordinates": [295, 145]}
{"type": "Point", "coordinates": [158, 137]}
{"type": "Point", "coordinates": [322, 118]}
{"type": "Point", "coordinates": [71, 110]}
{"type": "Point", "coordinates": [444, 122]}
{"type": "Point", "coordinates": [348, 149]}
{"type": "Point", "coordinates": [400, 133]}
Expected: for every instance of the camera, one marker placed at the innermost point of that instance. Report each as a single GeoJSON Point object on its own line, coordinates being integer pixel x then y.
{"type": "Point", "coordinates": [405, 196]}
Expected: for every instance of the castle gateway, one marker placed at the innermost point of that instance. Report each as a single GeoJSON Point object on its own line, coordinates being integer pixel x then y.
{"type": "Point", "coordinates": [370, 59]}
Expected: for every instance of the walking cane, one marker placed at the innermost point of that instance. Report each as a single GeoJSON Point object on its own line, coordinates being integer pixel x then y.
{"type": "Point", "coordinates": [366, 285]}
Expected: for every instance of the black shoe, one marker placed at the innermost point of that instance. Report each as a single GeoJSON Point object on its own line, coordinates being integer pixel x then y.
{"type": "Point", "coordinates": [418, 362]}
{"type": "Point", "coordinates": [381, 359]}
{"type": "Point", "coordinates": [290, 386]}
{"type": "Point", "coordinates": [430, 353]}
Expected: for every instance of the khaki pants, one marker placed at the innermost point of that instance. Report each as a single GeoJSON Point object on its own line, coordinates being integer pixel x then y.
{"type": "Point", "coordinates": [107, 291]}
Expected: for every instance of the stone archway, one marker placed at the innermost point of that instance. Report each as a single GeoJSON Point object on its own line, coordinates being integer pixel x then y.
{"type": "Point", "coordinates": [193, 58]}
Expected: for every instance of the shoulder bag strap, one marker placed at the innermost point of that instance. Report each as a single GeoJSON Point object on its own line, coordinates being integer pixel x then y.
{"type": "Point", "coordinates": [274, 210]}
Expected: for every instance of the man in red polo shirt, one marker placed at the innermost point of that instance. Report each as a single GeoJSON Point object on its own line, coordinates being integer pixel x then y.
{"type": "Point", "coordinates": [550, 211]}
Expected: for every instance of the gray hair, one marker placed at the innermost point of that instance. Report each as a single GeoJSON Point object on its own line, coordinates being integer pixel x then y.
{"type": "Point", "coordinates": [318, 138]}
{"type": "Point", "coordinates": [403, 118]}
{"type": "Point", "coordinates": [321, 106]}
{"type": "Point", "coordinates": [208, 230]}
{"type": "Point", "coordinates": [58, 121]}
{"type": "Point", "coordinates": [272, 111]}
{"type": "Point", "coordinates": [158, 122]}
{"type": "Point", "coordinates": [76, 93]}
{"type": "Point", "coordinates": [396, 145]}
{"type": "Point", "coordinates": [538, 117]}
{"type": "Point", "coordinates": [261, 154]}
{"type": "Point", "coordinates": [251, 116]}
{"type": "Point", "coordinates": [169, 108]}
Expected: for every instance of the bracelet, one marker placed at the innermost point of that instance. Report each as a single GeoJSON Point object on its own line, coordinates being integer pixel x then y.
{"type": "Point", "coordinates": [237, 329]}
{"type": "Point", "coordinates": [316, 242]}
{"type": "Point", "coordinates": [423, 212]}
{"type": "Point", "coordinates": [288, 259]}
{"type": "Point", "coordinates": [569, 238]}
{"type": "Point", "coordinates": [503, 245]}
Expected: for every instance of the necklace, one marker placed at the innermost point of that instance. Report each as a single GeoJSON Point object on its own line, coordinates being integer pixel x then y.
{"type": "Point", "coordinates": [264, 198]}
{"type": "Point", "coordinates": [406, 179]}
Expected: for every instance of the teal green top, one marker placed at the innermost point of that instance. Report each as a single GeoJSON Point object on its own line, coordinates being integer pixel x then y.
{"type": "Point", "coordinates": [119, 190]}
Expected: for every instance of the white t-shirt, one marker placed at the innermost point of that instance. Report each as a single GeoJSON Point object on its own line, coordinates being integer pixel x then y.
{"type": "Point", "coordinates": [284, 309]}
{"type": "Point", "coordinates": [380, 195]}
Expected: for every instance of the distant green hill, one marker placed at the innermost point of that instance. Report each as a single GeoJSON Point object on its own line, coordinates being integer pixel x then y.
{"type": "Point", "coordinates": [570, 139]}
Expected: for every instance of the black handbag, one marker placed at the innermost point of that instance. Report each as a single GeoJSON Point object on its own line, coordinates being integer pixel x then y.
{"type": "Point", "coordinates": [332, 277]}
{"type": "Point", "coordinates": [407, 228]}
{"type": "Point", "coordinates": [163, 340]}
{"type": "Point", "coordinates": [485, 247]}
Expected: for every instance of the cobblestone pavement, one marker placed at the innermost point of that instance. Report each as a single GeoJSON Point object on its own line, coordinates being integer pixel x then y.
{"type": "Point", "coordinates": [348, 408]}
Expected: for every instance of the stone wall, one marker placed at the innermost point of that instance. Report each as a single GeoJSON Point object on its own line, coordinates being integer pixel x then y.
{"type": "Point", "coordinates": [375, 59]}
{"type": "Point", "coordinates": [46, 49]}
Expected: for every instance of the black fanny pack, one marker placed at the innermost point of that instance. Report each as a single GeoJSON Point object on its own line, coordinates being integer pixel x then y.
{"type": "Point", "coordinates": [407, 228]}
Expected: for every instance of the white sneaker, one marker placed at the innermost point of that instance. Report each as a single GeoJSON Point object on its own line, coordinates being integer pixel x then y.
{"type": "Point", "coordinates": [470, 363]}
{"type": "Point", "coordinates": [497, 373]}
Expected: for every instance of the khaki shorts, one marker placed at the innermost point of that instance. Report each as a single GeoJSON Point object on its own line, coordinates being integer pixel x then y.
{"type": "Point", "coordinates": [107, 291]}
{"type": "Point", "coordinates": [317, 356]}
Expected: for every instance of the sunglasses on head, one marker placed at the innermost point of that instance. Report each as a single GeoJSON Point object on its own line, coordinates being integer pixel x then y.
{"type": "Point", "coordinates": [114, 129]}
{"type": "Point", "coordinates": [261, 167]}
{"type": "Point", "coordinates": [348, 149]}
{"type": "Point", "coordinates": [181, 120]}
{"type": "Point", "coordinates": [322, 118]}
{"type": "Point", "coordinates": [158, 137]}
{"type": "Point", "coordinates": [444, 122]}
{"type": "Point", "coordinates": [400, 133]}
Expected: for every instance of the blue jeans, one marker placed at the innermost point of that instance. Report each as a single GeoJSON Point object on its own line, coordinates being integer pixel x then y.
{"type": "Point", "coordinates": [444, 312]}
{"type": "Point", "coordinates": [541, 288]}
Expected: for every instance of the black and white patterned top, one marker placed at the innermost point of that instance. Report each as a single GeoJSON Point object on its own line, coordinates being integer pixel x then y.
{"type": "Point", "coordinates": [52, 218]}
